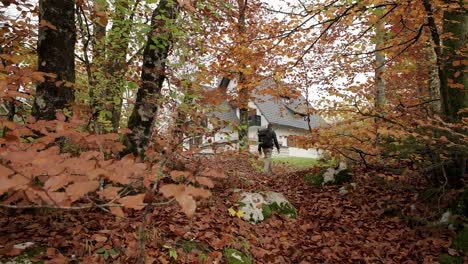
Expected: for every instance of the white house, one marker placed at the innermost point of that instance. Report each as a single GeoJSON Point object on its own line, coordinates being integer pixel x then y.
{"type": "Point", "coordinates": [286, 114]}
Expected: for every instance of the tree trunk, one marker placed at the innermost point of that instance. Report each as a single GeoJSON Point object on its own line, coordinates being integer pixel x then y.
{"type": "Point", "coordinates": [56, 55]}
{"type": "Point", "coordinates": [379, 65]}
{"type": "Point", "coordinates": [243, 101]}
{"type": "Point", "coordinates": [452, 77]}
{"type": "Point", "coordinates": [434, 83]}
{"type": "Point", "coordinates": [159, 41]}
{"type": "Point", "coordinates": [454, 80]}
{"type": "Point", "coordinates": [454, 89]}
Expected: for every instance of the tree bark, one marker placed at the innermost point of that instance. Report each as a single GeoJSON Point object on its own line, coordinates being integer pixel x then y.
{"type": "Point", "coordinates": [454, 81]}
{"type": "Point", "coordinates": [56, 55]}
{"type": "Point", "coordinates": [434, 83]}
{"type": "Point", "coordinates": [379, 66]}
{"type": "Point", "coordinates": [450, 52]}
{"type": "Point", "coordinates": [159, 41]}
{"type": "Point", "coordinates": [243, 90]}
{"type": "Point", "coordinates": [454, 89]}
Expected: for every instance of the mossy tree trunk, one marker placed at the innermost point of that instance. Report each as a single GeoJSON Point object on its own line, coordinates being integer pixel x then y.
{"type": "Point", "coordinates": [159, 41]}
{"type": "Point", "coordinates": [450, 49]}
{"type": "Point", "coordinates": [454, 80]}
{"type": "Point", "coordinates": [56, 55]}
{"type": "Point", "coordinates": [242, 86]}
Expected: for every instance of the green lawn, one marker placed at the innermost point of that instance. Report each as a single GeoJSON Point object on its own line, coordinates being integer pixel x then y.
{"type": "Point", "coordinates": [297, 162]}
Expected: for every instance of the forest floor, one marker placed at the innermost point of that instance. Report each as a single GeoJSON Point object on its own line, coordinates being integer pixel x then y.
{"type": "Point", "coordinates": [382, 220]}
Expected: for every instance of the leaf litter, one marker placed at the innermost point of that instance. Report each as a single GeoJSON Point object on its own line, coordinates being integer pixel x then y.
{"type": "Point", "coordinates": [330, 228]}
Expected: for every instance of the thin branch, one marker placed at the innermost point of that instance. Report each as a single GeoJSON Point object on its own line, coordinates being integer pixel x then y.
{"type": "Point", "coordinates": [333, 22]}
{"type": "Point", "coordinates": [82, 207]}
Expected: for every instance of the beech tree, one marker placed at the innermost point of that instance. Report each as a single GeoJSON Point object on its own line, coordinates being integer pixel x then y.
{"type": "Point", "coordinates": [450, 49]}
{"type": "Point", "coordinates": [157, 47]}
{"type": "Point", "coordinates": [56, 56]}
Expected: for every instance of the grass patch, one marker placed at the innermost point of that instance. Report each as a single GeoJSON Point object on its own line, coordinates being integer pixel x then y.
{"type": "Point", "coordinates": [298, 162]}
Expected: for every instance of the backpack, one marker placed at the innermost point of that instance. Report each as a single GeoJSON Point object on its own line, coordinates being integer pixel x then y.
{"type": "Point", "coordinates": [265, 138]}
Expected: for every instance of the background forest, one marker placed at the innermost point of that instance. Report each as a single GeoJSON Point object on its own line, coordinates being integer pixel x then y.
{"type": "Point", "coordinates": [98, 97]}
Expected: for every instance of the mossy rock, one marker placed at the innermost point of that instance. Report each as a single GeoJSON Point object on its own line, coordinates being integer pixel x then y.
{"type": "Point", "coordinates": [342, 177]}
{"type": "Point", "coordinates": [315, 179]}
{"type": "Point", "coordinates": [284, 209]}
{"type": "Point", "coordinates": [257, 207]}
{"type": "Point", "coordinates": [234, 256]}
{"type": "Point", "coordinates": [447, 259]}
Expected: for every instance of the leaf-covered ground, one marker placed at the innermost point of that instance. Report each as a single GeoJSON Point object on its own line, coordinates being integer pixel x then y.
{"type": "Point", "coordinates": [379, 222]}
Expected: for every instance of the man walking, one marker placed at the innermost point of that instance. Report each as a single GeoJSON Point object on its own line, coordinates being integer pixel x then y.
{"type": "Point", "coordinates": [266, 138]}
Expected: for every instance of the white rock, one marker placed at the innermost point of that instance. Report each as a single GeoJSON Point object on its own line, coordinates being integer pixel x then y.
{"type": "Point", "coordinates": [329, 176]}
{"type": "Point", "coordinates": [24, 245]}
{"type": "Point", "coordinates": [342, 166]}
{"type": "Point", "coordinates": [343, 190]}
{"type": "Point", "coordinates": [274, 197]}
{"type": "Point", "coordinates": [252, 206]}
{"type": "Point", "coordinates": [445, 217]}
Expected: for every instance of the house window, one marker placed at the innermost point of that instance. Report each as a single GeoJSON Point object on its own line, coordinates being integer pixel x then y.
{"type": "Point", "coordinates": [255, 120]}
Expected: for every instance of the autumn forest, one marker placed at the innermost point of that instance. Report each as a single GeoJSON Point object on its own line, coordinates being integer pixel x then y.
{"type": "Point", "coordinates": [128, 131]}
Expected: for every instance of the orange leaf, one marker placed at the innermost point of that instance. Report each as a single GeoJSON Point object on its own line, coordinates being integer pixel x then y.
{"type": "Point", "coordinates": [110, 193]}
{"type": "Point", "coordinates": [133, 202]}
{"type": "Point", "coordinates": [187, 203]}
{"type": "Point", "coordinates": [197, 192]}
{"type": "Point", "coordinates": [214, 173]}
{"type": "Point", "coordinates": [205, 181]}
{"type": "Point", "coordinates": [171, 190]}
{"type": "Point", "coordinates": [78, 189]}
{"type": "Point", "coordinates": [14, 182]}
{"type": "Point", "coordinates": [96, 173]}
{"type": "Point", "coordinates": [178, 175]}
{"type": "Point", "coordinates": [184, 196]}
{"type": "Point", "coordinates": [99, 238]}
{"type": "Point", "coordinates": [56, 182]}
{"type": "Point", "coordinates": [4, 171]}
{"type": "Point", "coordinates": [117, 211]}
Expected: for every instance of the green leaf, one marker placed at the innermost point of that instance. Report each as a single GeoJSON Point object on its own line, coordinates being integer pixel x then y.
{"type": "Point", "coordinates": [173, 253]}
{"type": "Point", "coordinates": [234, 256]}
{"type": "Point", "coordinates": [132, 85]}
{"type": "Point", "coordinates": [100, 251]}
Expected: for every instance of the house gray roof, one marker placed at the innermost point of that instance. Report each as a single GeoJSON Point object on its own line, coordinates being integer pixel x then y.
{"type": "Point", "coordinates": [277, 110]}
{"type": "Point", "coordinates": [226, 112]}
{"type": "Point", "coordinates": [284, 111]}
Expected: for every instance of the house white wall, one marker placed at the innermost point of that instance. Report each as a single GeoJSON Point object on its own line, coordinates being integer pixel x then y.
{"type": "Point", "coordinates": [282, 132]}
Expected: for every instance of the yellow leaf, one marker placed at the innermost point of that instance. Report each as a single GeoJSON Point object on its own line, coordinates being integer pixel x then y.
{"type": "Point", "coordinates": [240, 214]}
{"type": "Point", "coordinates": [231, 211]}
